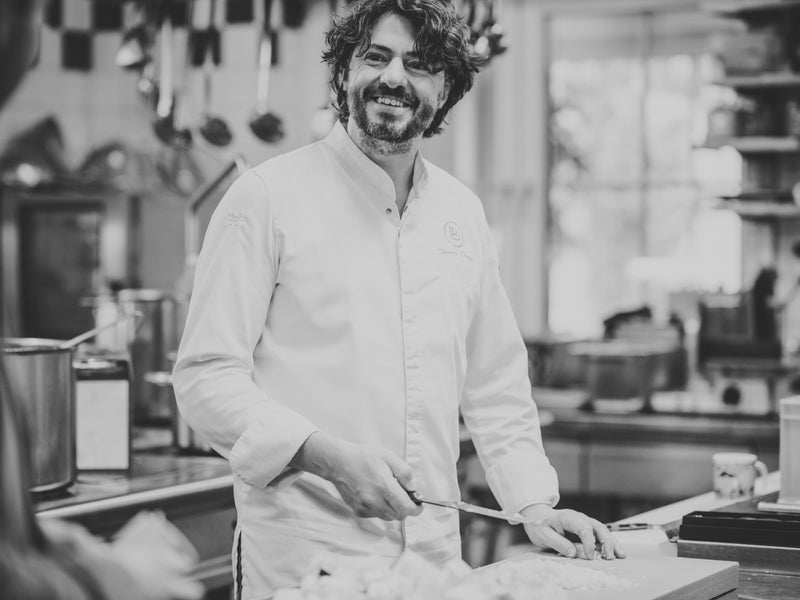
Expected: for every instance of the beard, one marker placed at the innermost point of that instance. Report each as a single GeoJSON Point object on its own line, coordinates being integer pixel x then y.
{"type": "Point", "coordinates": [387, 128]}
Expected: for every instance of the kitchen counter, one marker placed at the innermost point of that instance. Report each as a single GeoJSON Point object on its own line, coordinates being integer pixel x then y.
{"type": "Point", "coordinates": [194, 492]}
{"type": "Point", "coordinates": [753, 583]}
{"type": "Point", "coordinates": [656, 458]}
{"type": "Point", "coordinates": [675, 415]}
{"type": "Point", "coordinates": [153, 481]}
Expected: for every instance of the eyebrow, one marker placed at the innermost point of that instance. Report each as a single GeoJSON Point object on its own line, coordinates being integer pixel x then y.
{"type": "Point", "coordinates": [388, 50]}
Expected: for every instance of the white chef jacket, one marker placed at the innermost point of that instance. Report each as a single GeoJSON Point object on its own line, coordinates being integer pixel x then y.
{"type": "Point", "coordinates": [317, 307]}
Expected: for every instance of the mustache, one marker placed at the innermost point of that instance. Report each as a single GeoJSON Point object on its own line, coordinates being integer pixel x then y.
{"type": "Point", "coordinates": [400, 93]}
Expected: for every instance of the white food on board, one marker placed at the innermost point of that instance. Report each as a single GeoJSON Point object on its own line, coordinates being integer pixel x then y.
{"type": "Point", "coordinates": [528, 577]}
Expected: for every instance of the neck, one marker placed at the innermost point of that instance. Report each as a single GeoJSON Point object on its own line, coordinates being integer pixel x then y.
{"type": "Point", "coordinates": [397, 160]}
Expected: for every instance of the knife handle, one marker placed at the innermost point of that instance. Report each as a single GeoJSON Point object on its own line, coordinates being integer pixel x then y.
{"type": "Point", "coordinates": [415, 496]}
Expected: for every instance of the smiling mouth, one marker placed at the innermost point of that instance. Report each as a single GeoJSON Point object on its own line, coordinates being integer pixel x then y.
{"type": "Point", "coordinates": [391, 101]}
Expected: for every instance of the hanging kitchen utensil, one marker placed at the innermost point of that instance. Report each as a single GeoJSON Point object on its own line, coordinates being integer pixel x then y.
{"type": "Point", "coordinates": [325, 117]}
{"type": "Point", "coordinates": [131, 53]}
{"type": "Point", "coordinates": [213, 128]}
{"type": "Point", "coordinates": [164, 124]}
{"type": "Point", "coordinates": [493, 31]}
{"type": "Point", "coordinates": [147, 87]}
{"type": "Point", "coordinates": [181, 134]}
{"type": "Point", "coordinates": [266, 125]}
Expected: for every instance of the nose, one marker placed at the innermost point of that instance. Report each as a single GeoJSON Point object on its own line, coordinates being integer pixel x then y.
{"type": "Point", "coordinates": [394, 74]}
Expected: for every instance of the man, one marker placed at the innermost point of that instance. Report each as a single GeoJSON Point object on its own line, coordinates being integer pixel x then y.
{"type": "Point", "coordinates": [347, 304]}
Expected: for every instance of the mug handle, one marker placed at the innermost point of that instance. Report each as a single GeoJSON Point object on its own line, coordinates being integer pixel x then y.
{"type": "Point", "coordinates": [761, 470]}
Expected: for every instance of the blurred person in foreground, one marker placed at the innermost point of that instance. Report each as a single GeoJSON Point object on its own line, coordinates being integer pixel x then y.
{"type": "Point", "coordinates": [347, 304]}
{"type": "Point", "coordinates": [149, 559]}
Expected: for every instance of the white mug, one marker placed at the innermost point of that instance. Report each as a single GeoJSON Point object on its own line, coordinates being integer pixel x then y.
{"type": "Point", "coordinates": [735, 473]}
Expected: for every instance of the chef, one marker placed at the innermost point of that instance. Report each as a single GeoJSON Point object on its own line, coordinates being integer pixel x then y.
{"type": "Point", "coordinates": [347, 305]}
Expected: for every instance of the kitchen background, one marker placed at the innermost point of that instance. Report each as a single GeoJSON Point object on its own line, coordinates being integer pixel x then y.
{"type": "Point", "coordinates": [637, 161]}
{"type": "Point", "coordinates": [603, 138]}
{"type": "Point", "coordinates": [622, 89]}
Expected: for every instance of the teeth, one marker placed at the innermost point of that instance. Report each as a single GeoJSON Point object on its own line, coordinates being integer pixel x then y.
{"type": "Point", "coordinates": [388, 101]}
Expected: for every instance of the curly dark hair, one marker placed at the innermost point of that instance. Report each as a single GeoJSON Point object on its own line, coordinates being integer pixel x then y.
{"type": "Point", "coordinates": [442, 39]}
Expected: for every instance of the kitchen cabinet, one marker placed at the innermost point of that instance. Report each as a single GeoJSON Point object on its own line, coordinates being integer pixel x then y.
{"type": "Point", "coordinates": [655, 458]}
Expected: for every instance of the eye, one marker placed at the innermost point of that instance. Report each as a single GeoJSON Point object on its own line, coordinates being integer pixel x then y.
{"type": "Point", "coordinates": [374, 58]}
{"type": "Point", "coordinates": [415, 64]}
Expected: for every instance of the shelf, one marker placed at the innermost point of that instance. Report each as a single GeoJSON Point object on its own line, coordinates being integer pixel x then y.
{"type": "Point", "coordinates": [758, 209]}
{"type": "Point", "coordinates": [758, 144]}
{"type": "Point", "coordinates": [784, 79]}
{"type": "Point", "coordinates": [740, 7]}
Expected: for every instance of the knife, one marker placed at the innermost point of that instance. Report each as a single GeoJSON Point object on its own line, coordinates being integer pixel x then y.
{"type": "Point", "coordinates": [513, 518]}
{"type": "Point", "coordinates": [632, 526]}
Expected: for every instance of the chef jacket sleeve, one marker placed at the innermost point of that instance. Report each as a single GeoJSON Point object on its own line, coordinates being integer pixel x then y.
{"type": "Point", "coordinates": [497, 406]}
{"type": "Point", "coordinates": [213, 376]}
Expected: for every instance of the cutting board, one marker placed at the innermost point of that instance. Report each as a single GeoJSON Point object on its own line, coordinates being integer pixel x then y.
{"type": "Point", "coordinates": [657, 577]}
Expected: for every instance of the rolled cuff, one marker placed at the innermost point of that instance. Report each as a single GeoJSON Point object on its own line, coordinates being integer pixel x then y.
{"type": "Point", "coordinates": [523, 478]}
{"type": "Point", "coordinates": [261, 455]}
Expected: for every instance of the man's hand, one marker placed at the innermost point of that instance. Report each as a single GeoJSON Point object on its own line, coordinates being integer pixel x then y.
{"type": "Point", "coordinates": [372, 481]}
{"type": "Point", "coordinates": [553, 525]}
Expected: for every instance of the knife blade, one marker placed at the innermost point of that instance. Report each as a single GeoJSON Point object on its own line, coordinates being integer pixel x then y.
{"type": "Point", "coordinates": [513, 518]}
{"type": "Point", "coordinates": [632, 526]}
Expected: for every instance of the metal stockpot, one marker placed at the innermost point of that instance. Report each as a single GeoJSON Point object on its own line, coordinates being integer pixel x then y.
{"type": "Point", "coordinates": [41, 381]}
{"type": "Point", "coordinates": [148, 346]}
{"type": "Point", "coordinates": [184, 438]}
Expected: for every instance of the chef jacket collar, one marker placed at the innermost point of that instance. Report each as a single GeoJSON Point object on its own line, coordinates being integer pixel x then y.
{"type": "Point", "coordinates": [375, 182]}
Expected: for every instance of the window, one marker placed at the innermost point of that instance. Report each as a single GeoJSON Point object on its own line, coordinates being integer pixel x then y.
{"type": "Point", "coordinates": [632, 196]}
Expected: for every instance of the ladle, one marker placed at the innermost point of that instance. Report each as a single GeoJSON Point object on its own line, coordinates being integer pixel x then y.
{"type": "Point", "coordinates": [147, 86]}
{"type": "Point", "coordinates": [325, 117]}
{"type": "Point", "coordinates": [131, 53]}
{"type": "Point", "coordinates": [494, 31]}
{"type": "Point", "coordinates": [87, 335]}
{"type": "Point", "coordinates": [164, 124]}
{"type": "Point", "coordinates": [266, 125]}
{"type": "Point", "coordinates": [213, 128]}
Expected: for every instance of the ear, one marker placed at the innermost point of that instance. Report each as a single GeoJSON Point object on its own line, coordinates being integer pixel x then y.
{"type": "Point", "coordinates": [445, 92]}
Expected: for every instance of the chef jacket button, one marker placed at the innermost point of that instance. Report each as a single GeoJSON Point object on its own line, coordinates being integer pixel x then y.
{"type": "Point", "coordinates": [388, 211]}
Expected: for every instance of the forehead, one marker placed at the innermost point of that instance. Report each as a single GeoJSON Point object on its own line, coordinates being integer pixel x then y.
{"type": "Point", "coordinates": [394, 32]}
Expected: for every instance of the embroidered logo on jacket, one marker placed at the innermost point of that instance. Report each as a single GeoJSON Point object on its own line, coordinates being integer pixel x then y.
{"type": "Point", "coordinates": [235, 219]}
{"type": "Point", "coordinates": [452, 233]}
